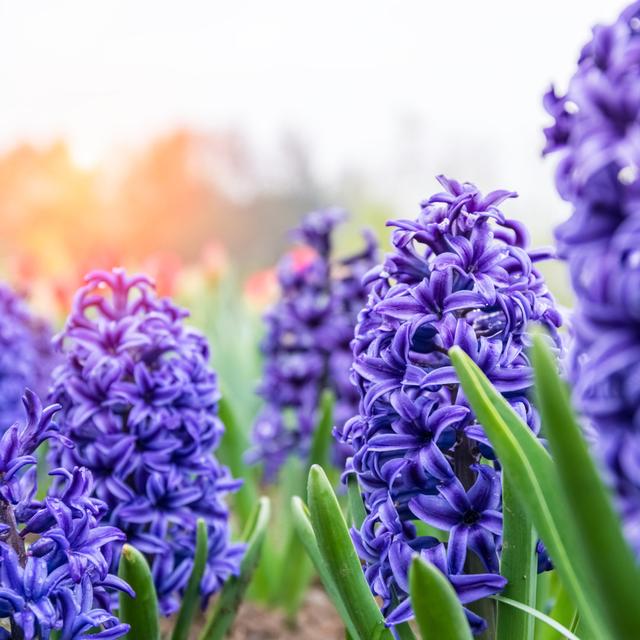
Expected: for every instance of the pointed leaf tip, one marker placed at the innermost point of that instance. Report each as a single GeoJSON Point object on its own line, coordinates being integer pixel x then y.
{"type": "Point", "coordinates": [339, 554]}
{"type": "Point", "coordinates": [142, 613]}
{"type": "Point", "coordinates": [437, 608]}
{"type": "Point", "coordinates": [191, 596]}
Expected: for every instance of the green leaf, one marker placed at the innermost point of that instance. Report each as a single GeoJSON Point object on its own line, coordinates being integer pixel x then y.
{"type": "Point", "coordinates": [233, 591]}
{"type": "Point", "coordinates": [563, 611]}
{"type": "Point", "coordinates": [357, 511]}
{"type": "Point", "coordinates": [341, 559]}
{"type": "Point", "coordinates": [518, 564]}
{"type": "Point", "coordinates": [437, 608]}
{"type": "Point", "coordinates": [322, 438]}
{"type": "Point", "coordinates": [231, 452]}
{"type": "Point", "coordinates": [304, 529]}
{"type": "Point", "coordinates": [292, 570]}
{"type": "Point", "coordinates": [295, 574]}
{"type": "Point", "coordinates": [192, 592]}
{"type": "Point", "coordinates": [534, 613]}
{"type": "Point", "coordinates": [536, 481]}
{"type": "Point", "coordinates": [140, 613]}
{"type": "Point", "coordinates": [609, 559]}
{"type": "Point", "coordinates": [295, 571]}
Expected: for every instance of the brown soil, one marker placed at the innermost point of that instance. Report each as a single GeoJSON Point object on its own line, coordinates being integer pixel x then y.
{"type": "Point", "coordinates": [317, 620]}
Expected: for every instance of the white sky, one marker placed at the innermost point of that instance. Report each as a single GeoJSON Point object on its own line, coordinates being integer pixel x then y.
{"type": "Point", "coordinates": [465, 77]}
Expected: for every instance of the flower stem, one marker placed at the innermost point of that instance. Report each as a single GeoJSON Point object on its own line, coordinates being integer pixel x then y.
{"type": "Point", "coordinates": [13, 537]}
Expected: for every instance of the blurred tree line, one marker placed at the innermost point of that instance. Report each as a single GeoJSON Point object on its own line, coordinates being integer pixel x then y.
{"type": "Point", "coordinates": [174, 196]}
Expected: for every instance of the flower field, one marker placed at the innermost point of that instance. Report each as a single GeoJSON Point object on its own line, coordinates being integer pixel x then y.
{"type": "Point", "coordinates": [411, 439]}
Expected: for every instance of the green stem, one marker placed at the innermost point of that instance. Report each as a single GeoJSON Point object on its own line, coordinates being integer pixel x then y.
{"type": "Point", "coordinates": [485, 608]}
{"type": "Point", "coordinates": [231, 452]}
{"type": "Point", "coordinates": [14, 539]}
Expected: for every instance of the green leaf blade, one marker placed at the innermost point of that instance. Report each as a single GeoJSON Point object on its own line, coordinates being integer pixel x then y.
{"type": "Point", "coordinates": [534, 614]}
{"type": "Point", "coordinates": [140, 613]}
{"type": "Point", "coordinates": [535, 479]}
{"type": "Point", "coordinates": [518, 564]}
{"type": "Point", "coordinates": [608, 557]}
{"type": "Point", "coordinates": [322, 438]}
{"type": "Point", "coordinates": [357, 510]}
{"type": "Point", "coordinates": [341, 558]}
{"type": "Point", "coordinates": [296, 574]}
{"type": "Point", "coordinates": [192, 592]}
{"type": "Point", "coordinates": [231, 452]}
{"type": "Point", "coordinates": [563, 611]}
{"type": "Point", "coordinates": [231, 595]}
{"type": "Point", "coordinates": [304, 529]}
{"type": "Point", "coordinates": [437, 608]}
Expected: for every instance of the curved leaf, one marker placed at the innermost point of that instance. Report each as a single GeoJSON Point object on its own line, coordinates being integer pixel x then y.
{"type": "Point", "coordinates": [357, 511]}
{"type": "Point", "coordinates": [437, 608]}
{"type": "Point", "coordinates": [534, 613]}
{"type": "Point", "coordinates": [613, 572]}
{"type": "Point", "coordinates": [192, 592]}
{"type": "Point", "coordinates": [322, 439]}
{"type": "Point", "coordinates": [339, 554]}
{"type": "Point", "coordinates": [295, 571]}
{"type": "Point", "coordinates": [231, 595]}
{"type": "Point", "coordinates": [140, 613]}
{"type": "Point", "coordinates": [536, 481]}
{"type": "Point", "coordinates": [563, 612]}
{"type": "Point", "coordinates": [304, 529]}
{"type": "Point", "coordinates": [232, 448]}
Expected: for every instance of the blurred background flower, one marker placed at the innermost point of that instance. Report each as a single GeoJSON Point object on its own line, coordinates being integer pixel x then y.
{"type": "Point", "coordinates": [26, 355]}
{"type": "Point", "coordinates": [306, 348]}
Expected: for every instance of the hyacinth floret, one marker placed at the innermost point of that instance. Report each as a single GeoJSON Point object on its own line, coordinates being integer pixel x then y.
{"type": "Point", "coordinates": [54, 553]}
{"type": "Point", "coordinates": [595, 133]}
{"type": "Point", "coordinates": [139, 399]}
{"type": "Point", "coordinates": [460, 274]}
{"type": "Point", "coordinates": [306, 348]}
{"type": "Point", "coordinates": [26, 355]}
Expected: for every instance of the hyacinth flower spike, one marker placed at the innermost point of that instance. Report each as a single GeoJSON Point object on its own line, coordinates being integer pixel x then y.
{"type": "Point", "coordinates": [306, 347]}
{"type": "Point", "coordinates": [60, 581]}
{"type": "Point", "coordinates": [140, 400]}
{"type": "Point", "coordinates": [460, 274]}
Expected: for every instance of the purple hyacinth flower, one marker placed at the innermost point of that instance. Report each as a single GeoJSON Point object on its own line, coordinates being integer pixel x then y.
{"type": "Point", "coordinates": [61, 580]}
{"type": "Point", "coordinates": [306, 348]}
{"type": "Point", "coordinates": [460, 274]}
{"type": "Point", "coordinates": [595, 133]}
{"type": "Point", "coordinates": [469, 588]}
{"type": "Point", "coordinates": [140, 400]}
{"type": "Point", "coordinates": [472, 518]}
